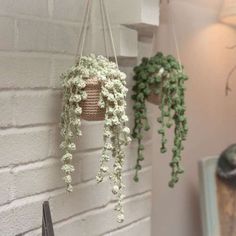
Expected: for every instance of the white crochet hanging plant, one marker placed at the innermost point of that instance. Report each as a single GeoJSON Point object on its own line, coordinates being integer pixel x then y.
{"type": "Point", "coordinates": [110, 101]}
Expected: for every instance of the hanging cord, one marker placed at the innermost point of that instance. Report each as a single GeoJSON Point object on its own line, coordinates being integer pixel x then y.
{"type": "Point", "coordinates": [82, 28]}
{"type": "Point", "coordinates": [154, 38]}
{"type": "Point", "coordinates": [82, 36]}
{"type": "Point", "coordinates": [85, 29]}
{"type": "Point", "coordinates": [103, 27]}
{"type": "Point", "coordinates": [109, 30]}
{"type": "Point", "coordinates": [105, 22]}
{"type": "Point", "coordinates": [173, 31]}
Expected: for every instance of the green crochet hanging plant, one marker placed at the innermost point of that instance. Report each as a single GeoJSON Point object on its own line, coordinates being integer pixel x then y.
{"type": "Point", "coordinates": [162, 77]}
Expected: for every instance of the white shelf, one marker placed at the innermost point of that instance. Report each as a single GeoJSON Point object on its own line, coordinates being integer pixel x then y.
{"type": "Point", "coordinates": [134, 12]}
{"type": "Point", "coordinates": [125, 40]}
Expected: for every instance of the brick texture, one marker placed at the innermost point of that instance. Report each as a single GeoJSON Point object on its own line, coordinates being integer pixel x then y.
{"type": "Point", "coordinates": [24, 72]}
{"type": "Point", "coordinates": [38, 40]}
{"type": "Point", "coordinates": [18, 146]}
{"type": "Point", "coordinates": [7, 30]}
{"type": "Point", "coordinates": [42, 36]}
{"type": "Point", "coordinates": [139, 228]}
{"type": "Point", "coordinates": [24, 7]}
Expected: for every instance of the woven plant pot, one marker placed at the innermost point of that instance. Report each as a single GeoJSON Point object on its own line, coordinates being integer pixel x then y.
{"type": "Point", "coordinates": [154, 98]}
{"type": "Point", "coordinates": [90, 109]}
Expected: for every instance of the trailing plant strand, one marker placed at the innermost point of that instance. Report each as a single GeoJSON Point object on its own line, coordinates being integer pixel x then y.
{"type": "Point", "coordinates": [165, 77]}
{"type": "Point", "coordinates": [116, 134]}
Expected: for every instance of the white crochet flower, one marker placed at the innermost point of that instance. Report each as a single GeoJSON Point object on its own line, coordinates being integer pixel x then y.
{"type": "Point", "coordinates": [126, 130]}
{"type": "Point", "coordinates": [71, 146]}
{"type": "Point", "coordinates": [81, 84]}
{"type": "Point", "coordinates": [105, 157]}
{"type": "Point", "coordinates": [75, 98]}
{"type": "Point", "coordinates": [125, 118]}
{"type": "Point", "coordinates": [76, 122]}
{"type": "Point", "coordinates": [110, 97]}
{"type": "Point", "coordinates": [84, 95]}
{"type": "Point", "coordinates": [78, 110]}
{"type": "Point", "coordinates": [107, 133]}
{"type": "Point", "coordinates": [120, 218]}
{"type": "Point", "coordinates": [67, 168]}
{"type": "Point", "coordinates": [115, 121]}
{"type": "Point", "coordinates": [67, 179]}
{"type": "Point", "coordinates": [63, 145]}
{"type": "Point", "coordinates": [108, 146]}
{"type": "Point", "coordinates": [104, 169]}
{"type": "Point", "coordinates": [109, 85]}
{"type": "Point", "coordinates": [67, 157]}
{"type": "Point", "coordinates": [115, 189]}
{"type": "Point", "coordinates": [101, 103]}
{"type": "Point", "coordinates": [99, 179]}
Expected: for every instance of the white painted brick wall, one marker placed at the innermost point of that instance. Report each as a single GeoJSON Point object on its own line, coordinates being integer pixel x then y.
{"type": "Point", "coordinates": [6, 102]}
{"type": "Point", "coordinates": [6, 184]}
{"type": "Point", "coordinates": [37, 43]}
{"type": "Point", "coordinates": [7, 31]}
{"type": "Point", "coordinates": [138, 228]}
{"type": "Point", "coordinates": [18, 146]}
{"type": "Point", "coordinates": [24, 72]}
{"type": "Point", "coordinates": [24, 7]}
{"type": "Point", "coordinates": [59, 66]}
{"type": "Point", "coordinates": [37, 107]}
{"type": "Point", "coordinates": [69, 10]}
{"type": "Point", "coordinates": [42, 36]}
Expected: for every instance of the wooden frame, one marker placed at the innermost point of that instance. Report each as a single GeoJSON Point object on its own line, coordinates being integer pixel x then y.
{"type": "Point", "coordinates": [208, 191]}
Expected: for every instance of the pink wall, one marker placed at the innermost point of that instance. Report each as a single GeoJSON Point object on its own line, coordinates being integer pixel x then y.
{"type": "Point", "coordinates": [212, 116]}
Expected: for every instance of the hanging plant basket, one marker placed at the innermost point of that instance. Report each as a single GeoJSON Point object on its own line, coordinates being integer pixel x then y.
{"type": "Point", "coordinates": [153, 97]}
{"type": "Point", "coordinates": [93, 89]}
{"type": "Point", "coordinates": [160, 80]}
{"type": "Point", "coordinates": [90, 107]}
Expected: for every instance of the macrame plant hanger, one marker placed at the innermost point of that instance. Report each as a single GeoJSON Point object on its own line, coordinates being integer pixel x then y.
{"type": "Point", "coordinates": [91, 110]}
{"type": "Point", "coordinates": [153, 98]}
{"type": "Point", "coordinates": [173, 33]}
{"type": "Point", "coordinates": [106, 28]}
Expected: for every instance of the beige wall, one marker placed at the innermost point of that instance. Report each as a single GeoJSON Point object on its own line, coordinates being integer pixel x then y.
{"type": "Point", "coordinates": [211, 115]}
